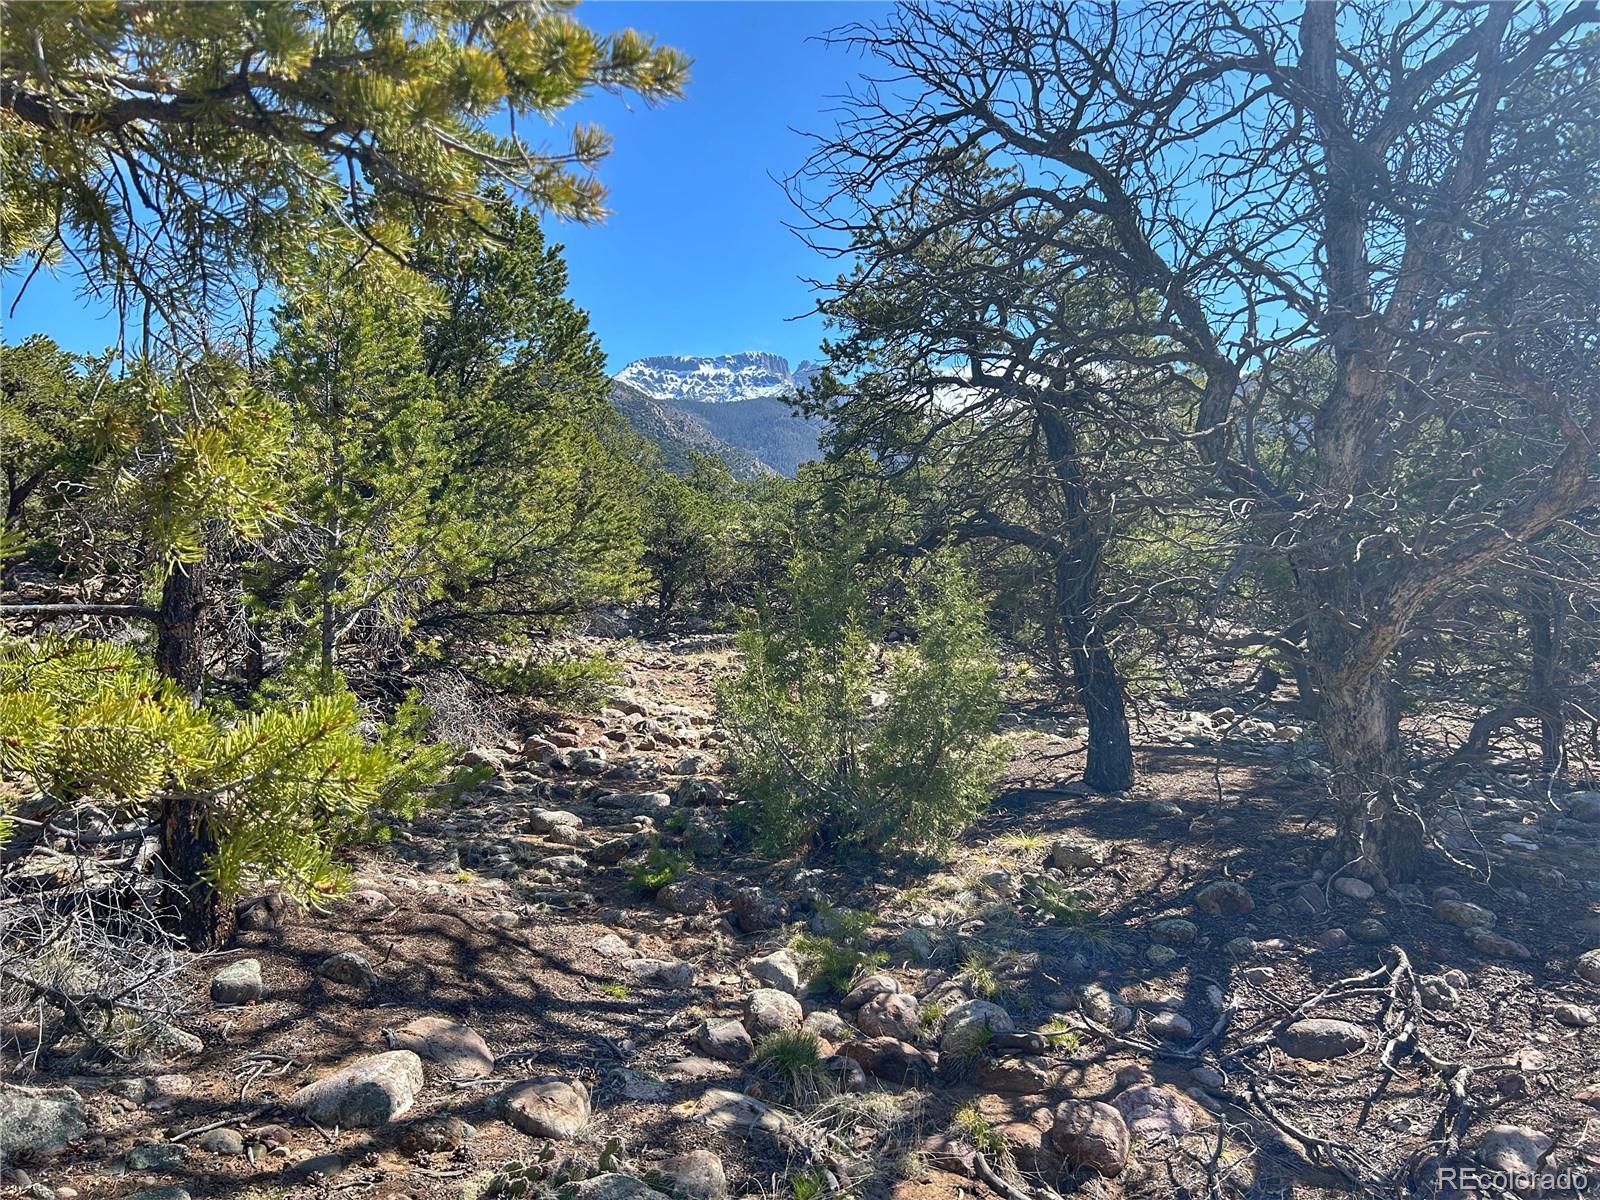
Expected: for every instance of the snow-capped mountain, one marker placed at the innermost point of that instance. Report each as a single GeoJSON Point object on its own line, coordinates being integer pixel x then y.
{"type": "Point", "coordinates": [737, 401]}
{"type": "Point", "coordinates": [716, 379]}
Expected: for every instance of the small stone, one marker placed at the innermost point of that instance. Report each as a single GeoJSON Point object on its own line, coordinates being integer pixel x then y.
{"type": "Point", "coordinates": [1319, 1038]}
{"type": "Point", "coordinates": [349, 968]}
{"type": "Point", "coordinates": [725, 1039]}
{"type": "Point", "coordinates": [237, 983]}
{"type": "Point", "coordinates": [778, 970]}
{"type": "Point", "coordinates": [1332, 939]}
{"type": "Point", "coordinates": [1092, 1134]}
{"type": "Point", "coordinates": [895, 1015]}
{"type": "Point", "coordinates": [1354, 889]}
{"type": "Point", "coordinates": [768, 1011]}
{"type": "Point", "coordinates": [549, 1106]}
{"type": "Point", "coordinates": [698, 1175]}
{"type": "Point", "coordinates": [1224, 898]}
{"type": "Point", "coordinates": [970, 1026]}
{"type": "Point", "coordinates": [458, 1048]}
{"type": "Point", "coordinates": [1161, 956]}
{"type": "Point", "coordinates": [225, 1142]}
{"type": "Point", "coordinates": [1170, 1026]}
{"type": "Point", "coordinates": [170, 1192]}
{"type": "Point", "coordinates": [1576, 1016]}
{"type": "Point", "coordinates": [369, 1092]}
{"type": "Point", "coordinates": [1370, 930]}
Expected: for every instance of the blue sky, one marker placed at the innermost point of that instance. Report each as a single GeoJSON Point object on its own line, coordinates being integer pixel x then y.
{"type": "Point", "coordinates": [695, 258]}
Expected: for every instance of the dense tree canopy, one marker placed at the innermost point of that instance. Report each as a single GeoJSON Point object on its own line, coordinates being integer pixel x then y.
{"type": "Point", "coordinates": [170, 148]}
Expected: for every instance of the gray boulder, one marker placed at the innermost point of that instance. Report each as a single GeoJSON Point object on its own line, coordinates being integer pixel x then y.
{"type": "Point", "coordinates": [1320, 1038]}
{"type": "Point", "coordinates": [369, 1092]}
{"type": "Point", "coordinates": [39, 1121]}
{"type": "Point", "coordinates": [458, 1048]}
{"type": "Point", "coordinates": [549, 1106]}
{"type": "Point", "coordinates": [237, 983]}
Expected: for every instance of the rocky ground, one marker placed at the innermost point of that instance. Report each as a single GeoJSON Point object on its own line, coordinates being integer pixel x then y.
{"type": "Point", "coordinates": [1159, 993]}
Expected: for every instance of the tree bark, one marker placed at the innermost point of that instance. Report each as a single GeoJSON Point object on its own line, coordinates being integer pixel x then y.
{"type": "Point", "coordinates": [1077, 569]}
{"type": "Point", "coordinates": [1546, 677]}
{"type": "Point", "coordinates": [188, 841]}
{"type": "Point", "coordinates": [180, 653]}
{"type": "Point", "coordinates": [1110, 765]}
{"type": "Point", "coordinates": [1377, 832]}
{"type": "Point", "coordinates": [187, 838]}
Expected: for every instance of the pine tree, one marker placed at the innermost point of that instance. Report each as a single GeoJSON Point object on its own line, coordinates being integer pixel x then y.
{"type": "Point", "coordinates": [368, 533]}
{"type": "Point", "coordinates": [240, 799]}
{"type": "Point", "coordinates": [543, 478]}
{"type": "Point", "coordinates": [170, 146]}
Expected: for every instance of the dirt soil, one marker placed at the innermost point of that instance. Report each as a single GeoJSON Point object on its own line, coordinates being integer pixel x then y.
{"type": "Point", "coordinates": [466, 913]}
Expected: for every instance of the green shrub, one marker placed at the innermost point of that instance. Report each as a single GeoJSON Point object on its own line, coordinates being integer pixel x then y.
{"type": "Point", "coordinates": [284, 787]}
{"type": "Point", "coordinates": [970, 1123]}
{"type": "Point", "coordinates": [792, 1060]}
{"type": "Point", "coordinates": [566, 681]}
{"type": "Point", "coordinates": [834, 959]}
{"type": "Point", "coordinates": [840, 740]}
{"type": "Point", "coordinates": [659, 868]}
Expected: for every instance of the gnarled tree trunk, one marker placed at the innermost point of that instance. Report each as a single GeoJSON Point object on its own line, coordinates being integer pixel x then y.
{"type": "Point", "coordinates": [1110, 765]}
{"type": "Point", "coordinates": [1378, 833]}
{"type": "Point", "coordinates": [1077, 570]}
